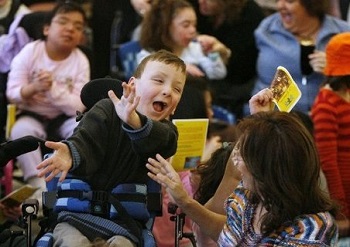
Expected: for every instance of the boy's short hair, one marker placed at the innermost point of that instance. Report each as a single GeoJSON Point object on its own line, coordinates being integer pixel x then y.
{"type": "Point", "coordinates": [162, 56]}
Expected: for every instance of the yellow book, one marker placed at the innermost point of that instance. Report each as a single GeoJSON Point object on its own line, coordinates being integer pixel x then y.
{"type": "Point", "coordinates": [191, 143]}
{"type": "Point", "coordinates": [286, 92]}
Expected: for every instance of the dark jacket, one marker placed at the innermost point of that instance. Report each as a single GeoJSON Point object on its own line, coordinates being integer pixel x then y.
{"type": "Point", "coordinates": [107, 152]}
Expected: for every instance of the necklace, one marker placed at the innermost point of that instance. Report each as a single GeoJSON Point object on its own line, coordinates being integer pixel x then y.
{"type": "Point", "coordinates": [309, 37]}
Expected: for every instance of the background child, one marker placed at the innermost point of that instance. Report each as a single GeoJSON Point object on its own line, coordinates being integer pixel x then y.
{"type": "Point", "coordinates": [45, 81]}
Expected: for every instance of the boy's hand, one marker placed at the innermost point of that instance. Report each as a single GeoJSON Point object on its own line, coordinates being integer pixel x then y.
{"type": "Point", "coordinates": [126, 106]}
{"type": "Point", "coordinates": [60, 161]}
{"type": "Point", "coordinates": [261, 101]}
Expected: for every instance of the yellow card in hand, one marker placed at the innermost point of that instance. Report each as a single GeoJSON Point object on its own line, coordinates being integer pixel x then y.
{"type": "Point", "coordinates": [285, 91]}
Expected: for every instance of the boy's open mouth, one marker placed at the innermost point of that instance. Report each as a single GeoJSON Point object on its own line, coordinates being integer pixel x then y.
{"type": "Point", "coordinates": [159, 106]}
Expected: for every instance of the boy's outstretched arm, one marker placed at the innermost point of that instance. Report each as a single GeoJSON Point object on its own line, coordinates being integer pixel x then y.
{"type": "Point", "coordinates": [126, 106]}
{"type": "Point", "coordinates": [162, 172]}
{"type": "Point", "coordinates": [60, 161]}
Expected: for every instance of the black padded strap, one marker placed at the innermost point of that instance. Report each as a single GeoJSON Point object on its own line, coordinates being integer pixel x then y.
{"type": "Point", "coordinates": [132, 225]}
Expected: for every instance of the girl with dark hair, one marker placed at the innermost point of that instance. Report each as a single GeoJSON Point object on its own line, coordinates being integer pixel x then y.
{"type": "Point", "coordinates": [171, 25]}
{"type": "Point", "coordinates": [45, 81]}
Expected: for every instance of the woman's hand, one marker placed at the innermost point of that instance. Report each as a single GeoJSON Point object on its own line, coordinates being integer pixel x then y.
{"type": "Point", "coordinates": [261, 101]}
{"type": "Point", "coordinates": [162, 172]}
{"type": "Point", "coordinates": [318, 61]}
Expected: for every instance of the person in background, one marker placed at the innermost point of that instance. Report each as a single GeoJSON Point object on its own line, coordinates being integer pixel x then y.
{"type": "Point", "coordinates": [331, 116]}
{"type": "Point", "coordinates": [12, 216]}
{"type": "Point", "coordinates": [41, 5]}
{"type": "Point", "coordinates": [285, 34]}
{"type": "Point", "coordinates": [278, 195]}
{"type": "Point", "coordinates": [104, 15]}
{"type": "Point", "coordinates": [217, 179]}
{"type": "Point", "coordinates": [45, 81]}
{"type": "Point", "coordinates": [232, 23]}
{"type": "Point", "coordinates": [171, 25]}
{"type": "Point", "coordinates": [9, 10]}
{"type": "Point", "coordinates": [340, 9]}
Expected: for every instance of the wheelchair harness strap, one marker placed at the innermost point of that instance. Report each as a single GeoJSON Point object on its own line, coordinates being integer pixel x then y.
{"type": "Point", "coordinates": [98, 203]}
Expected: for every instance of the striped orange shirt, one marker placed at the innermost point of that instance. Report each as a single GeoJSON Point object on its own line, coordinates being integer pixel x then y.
{"type": "Point", "coordinates": [331, 117]}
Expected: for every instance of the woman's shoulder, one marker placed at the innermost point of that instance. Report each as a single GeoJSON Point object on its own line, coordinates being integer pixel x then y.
{"type": "Point", "coordinates": [270, 20]}
{"type": "Point", "coordinates": [310, 229]}
{"type": "Point", "coordinates": [318, 226]}
{"type": "Point", "coordinates": [239, 196]}
{"type": "Point", "coordinates": [270, 24]}
{"type": "Point", "coordinates": [333, 24]}
{"type": "Point", "coordinates": [328, 97]}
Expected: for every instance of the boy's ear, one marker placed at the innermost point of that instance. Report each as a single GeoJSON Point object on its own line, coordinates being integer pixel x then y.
{"type": "Point", "coordinates": [131, 81]}
{"type": "Point", "coordinates": [173, 113]}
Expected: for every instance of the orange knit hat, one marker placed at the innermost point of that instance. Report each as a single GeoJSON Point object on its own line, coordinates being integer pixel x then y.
{"type": "Point", "coordinates": [338, 55]}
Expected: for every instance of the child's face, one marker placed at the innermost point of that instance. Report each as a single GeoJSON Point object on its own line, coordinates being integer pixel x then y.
{"type": "Point", "coordinates": [160, 88]}
{"type": "Point", "coordinates": [65, 31]}
{"type": "Point", "coordinates": [183, 27]}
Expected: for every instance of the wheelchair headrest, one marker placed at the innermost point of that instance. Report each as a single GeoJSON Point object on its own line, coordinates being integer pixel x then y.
{"type": "Point", "coordinates": [97, 89]}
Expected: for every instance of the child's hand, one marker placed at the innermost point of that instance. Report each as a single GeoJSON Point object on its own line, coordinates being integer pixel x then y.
{"type": "Point", "coordinates": [43, 81]}
{"type": "Point", "coordinates": [126, 106]}
{"type": "Point", "coordinates": [212, 44]}
{"type": "Point", "coordinates": [60, 161]}
{"type": "Point", "coordinates": [194, 70]}
{"type": "Point", "coordinates": [207, 42]}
